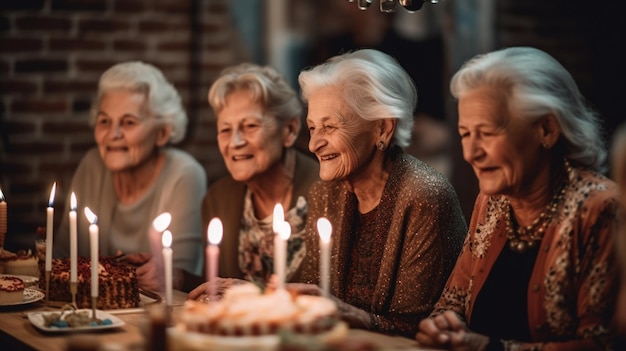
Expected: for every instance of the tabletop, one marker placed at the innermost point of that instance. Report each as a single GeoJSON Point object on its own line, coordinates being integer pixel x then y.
{"type": "Point", "coordinates": [17, 333]}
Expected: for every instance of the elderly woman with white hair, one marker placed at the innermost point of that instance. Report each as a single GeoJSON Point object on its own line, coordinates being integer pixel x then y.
{"type": "Point", "coordinates": [397, 223]}
{"type": "Point", "coordinates": [538, 269]}
{"type": "Point", "coordinates": [134, 175]}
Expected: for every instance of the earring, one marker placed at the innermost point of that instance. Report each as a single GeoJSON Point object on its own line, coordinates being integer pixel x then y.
{"type": "Point", "coordinates": [381, 145]}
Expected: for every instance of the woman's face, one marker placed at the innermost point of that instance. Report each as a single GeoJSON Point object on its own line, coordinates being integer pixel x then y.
{"type": "Point", "coordinates": [125, 132]}
{"type": "Point", "coordinates": [343, 142]}
{"type": "Point", "coordinates": [503, 150]}
{"type": "Point", "coordinates": [250, 140]}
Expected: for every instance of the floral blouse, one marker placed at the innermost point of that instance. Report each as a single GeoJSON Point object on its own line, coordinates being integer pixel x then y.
{"type": "Point", "coordinates": [572, 289]}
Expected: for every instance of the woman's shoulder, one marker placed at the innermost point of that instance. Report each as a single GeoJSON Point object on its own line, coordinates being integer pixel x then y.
{"type": "Point", "coordinates": [182, 162]}
{"type": "Point", "coordinates": [415, 173]}
{"type": "Point", "coordinates": [589, 189]}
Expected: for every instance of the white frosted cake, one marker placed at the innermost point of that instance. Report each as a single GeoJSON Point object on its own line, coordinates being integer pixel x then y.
{"type": "Point", "coordinates": [247, 318]}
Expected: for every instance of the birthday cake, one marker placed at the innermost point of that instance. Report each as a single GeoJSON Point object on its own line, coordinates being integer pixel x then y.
{"type": "Point", "coordinates": [22, 263]}
{"type": "Point", "coordinates": [117, 283]}
{"type": "Point", "coordinates": [247, 318]}
{"type": "Point", "coordinates": [11, 290]}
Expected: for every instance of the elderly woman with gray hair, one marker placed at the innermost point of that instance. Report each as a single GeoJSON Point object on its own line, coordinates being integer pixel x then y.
{"type": "Point", "coordinates": [538, 269]}
{"type": "Point", "coordinates": [134, 175]}
{"type": "Point", "coordinates": [397, 223]}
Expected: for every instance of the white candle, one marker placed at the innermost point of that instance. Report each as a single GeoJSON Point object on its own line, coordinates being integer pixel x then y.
{"type": "Point", "coordinates": [155, 236]}
{"type": "Point", "coordinates": [278, 218]}
{"type": "Point", "coordinates": [324, 228]}
{"type": "Point", "coordinates": [214, 233]}
{"type": "Point", "coordinates": [280, 259]}
{"type": "Point", "coordinates": [73, 240]}
{"type": "Point", "coordinates": [49, 227]}
{"type": "Point", "coordinates": [93, 249]}
{"type": "Point", "coordinates": [167, 259]}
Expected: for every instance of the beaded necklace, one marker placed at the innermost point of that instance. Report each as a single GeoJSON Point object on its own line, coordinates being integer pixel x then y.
{"type": "Point", "coordinates": [523, 238]}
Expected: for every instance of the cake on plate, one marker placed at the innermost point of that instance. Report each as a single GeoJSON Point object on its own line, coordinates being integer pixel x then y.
{"type": "Point", "coordinates": [11, 290]}
{"type": "Point", "coordinates": [23, 263]}
{"type": "Point", "coordinates": [249, 318]}
{"type": "Point", "coordinates": [117, 283]}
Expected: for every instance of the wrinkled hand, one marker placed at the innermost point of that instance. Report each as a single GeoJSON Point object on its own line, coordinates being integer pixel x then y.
{"type": "Point", "coordinates": [199, 293]}
{"type": "Point", "coordinates": [147, 275]}
{"type": "Point", "coordinates": [356, 317]}
{"type": "Point", "coordinates": [449, 331]}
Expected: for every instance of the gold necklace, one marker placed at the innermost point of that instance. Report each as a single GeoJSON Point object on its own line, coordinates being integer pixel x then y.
{"type": "Point", "coordinates": [523, 238]}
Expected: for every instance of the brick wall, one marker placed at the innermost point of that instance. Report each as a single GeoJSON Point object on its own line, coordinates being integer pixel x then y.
{"type": "Point", "coordinates": [52, 53]}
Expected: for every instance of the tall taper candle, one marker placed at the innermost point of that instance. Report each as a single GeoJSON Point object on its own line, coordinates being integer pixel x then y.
{"type": "Point", "coordinates": [167, 263]}
{"type": "Point", "coordinates": [93, 249]}
{"type": "Point", "coordinates": [73, 240]}
{"type": "Point", "coordinates": [280, 259]}
{"type": "Point", "coordinates": [214, 233]}
{"type": "Point", "coordinates": [278, 218]}
{"type": "Point", "coordinates": [155, 236]}
{"type": "Point", "coordinates": [49, 227]}
{"type": "Point", "coordinates": [324, 228]}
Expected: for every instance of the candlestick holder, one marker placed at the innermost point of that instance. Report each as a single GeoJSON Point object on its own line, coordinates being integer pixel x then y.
{"type": "Point", "coordinates": [47, 277]}
{"type": "Point", "coordinates": [94, 300]}
{"type": "Point", "coordinates": [73, 291]}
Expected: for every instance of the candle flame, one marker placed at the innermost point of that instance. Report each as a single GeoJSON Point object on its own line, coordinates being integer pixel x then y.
{"type": "Point", "coordinates": [285, 231]}
{"type": "Point", "coordinates": [278, 217]}
{"type": "Point", "coordinates": [162, 221]}
{"type": "Point", "coordinates": [166, 239]}
{"type": "Point", "coordinates": [91, 217]}
{"type": "Point", "coordinates": [324, 228]}
{"type": "Point", "coordinates": [1, 195]}
{"type": "Point", "coordinates": [215, 231]}
{"type": "Point", "coordinates": [73, 202]}
{"type": "Point", "coordinates": [52, 192]}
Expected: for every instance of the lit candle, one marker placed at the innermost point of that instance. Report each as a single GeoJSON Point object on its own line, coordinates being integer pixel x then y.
{"type": "Point", "coordinates": [167, 259]}
{"type": "Point", "coordinates": [280, 260]}
{"type": "Point", "coordinates": [278, 218]}
{"type": "Point", "coordinates": [3, 219]}
{"type": "Point", "coordinates": [214, 233]}
{"type": "Point", "coordinates": [155, 236]}
{"type": "Point", "coordinates": [93, 249]}
{"type": "Point", "coordinates": [324, 228]}
{"type": "Point", "coordinates": [73, 240]}
{"type": "Point", "coordinates": [49, 228]}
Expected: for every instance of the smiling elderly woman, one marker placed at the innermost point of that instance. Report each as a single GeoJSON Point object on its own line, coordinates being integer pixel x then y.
{"type": "Point", "coordinates": [397, 223]}
{"type": "Point", "coordinates": [133, 175]}
{"type": "Point", "coordinates": [538, 270]}
{"type": "Point", "coordinates": [259, 116]}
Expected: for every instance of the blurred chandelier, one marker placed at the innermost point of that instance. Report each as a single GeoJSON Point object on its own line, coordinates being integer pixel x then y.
{"type": "Point", "coordinates": [392, 5]}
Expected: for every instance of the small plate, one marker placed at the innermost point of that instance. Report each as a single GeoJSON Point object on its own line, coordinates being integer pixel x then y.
{"type": "Point", "coordinates": [30, 296]}
{"type": "Point", "coordinates": [27, 279]}
{"type": "Point", "coordinates": [36, 318]}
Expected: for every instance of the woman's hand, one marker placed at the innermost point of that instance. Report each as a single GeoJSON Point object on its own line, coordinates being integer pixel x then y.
{"type": "Point", "coordinates": [356, 317]}
{"type": "Point", "coordinates": [449, 331]}
{"type": "Point", "coordinates": [147, 274]}
{"type": "Point", "coordinates": [222, 284]}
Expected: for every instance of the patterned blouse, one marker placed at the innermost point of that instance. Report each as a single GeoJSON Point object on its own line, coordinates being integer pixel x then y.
{"type": "Point", "coordinates": [256, 241]}
{"type": "Point", "coordinates": [572, 288]}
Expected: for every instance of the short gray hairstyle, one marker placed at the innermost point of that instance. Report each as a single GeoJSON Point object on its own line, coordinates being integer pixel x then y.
{"type": "Point", "coordinates": [537, 84]}
{"type": "Point", "coordinates": [162, 98]}
{"type": "Point", "coordinates": [374, 87]}
{"type": "Point", "coordinates": [268, 87]}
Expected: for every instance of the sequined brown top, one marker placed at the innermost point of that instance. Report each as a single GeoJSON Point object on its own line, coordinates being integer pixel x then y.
{"type": "Point", "coordinates": [420, 214]}
{"type": "Point", "coordinates": [571, 292]}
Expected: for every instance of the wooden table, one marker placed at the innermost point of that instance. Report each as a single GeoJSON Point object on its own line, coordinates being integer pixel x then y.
{"type": "Point", "coordinates": [17, 333]}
